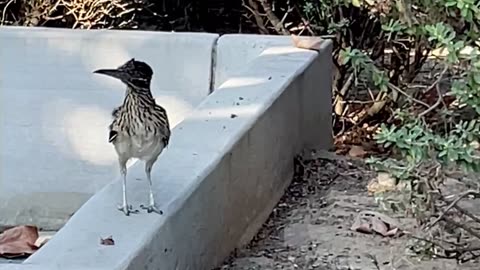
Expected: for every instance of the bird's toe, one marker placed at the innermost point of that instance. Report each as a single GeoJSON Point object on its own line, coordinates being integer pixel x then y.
{"type": "Point", "coordinates": [152, 208]}
{"type": "Point", "coordinates": [127, 209]}
{"type": "Point", "coordinates": [124, 210]}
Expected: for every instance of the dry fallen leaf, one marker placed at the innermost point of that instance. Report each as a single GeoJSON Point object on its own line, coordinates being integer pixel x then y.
{"type": "Point", "coordinates": [384, 182]}
{"type": "Point", "coordinates": [18, 241]}
{"type": "Point", "coordinates": [357, 151]}
{"type": "Point", "coordinates": [43, 238]}
{"type": "Point", "coordinates": [361, 226]}
{"type": "Point", "coordinates": [393, 232]}
{"type": "Point", "coordinates": [309, 43]}
{"type": "Point", "coordinates": [371, 221]}
{"type": "Point", "coordinates": [107, 241]}
{"type": "Point", "coordinates": [379, 226]}
{"type": "Point", "coordinates": [41, 242]}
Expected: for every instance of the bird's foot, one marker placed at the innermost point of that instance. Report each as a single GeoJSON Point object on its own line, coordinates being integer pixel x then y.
{"type": "Point", "coordinates": [151, 208]}
{"type": "Point", "coordinates": [127, 209]}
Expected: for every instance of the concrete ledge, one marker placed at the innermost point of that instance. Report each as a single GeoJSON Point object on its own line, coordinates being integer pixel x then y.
{"type": "Point", "coordinates": [236, 51]}
{"type": "Point", "coordinates": [227, 165]}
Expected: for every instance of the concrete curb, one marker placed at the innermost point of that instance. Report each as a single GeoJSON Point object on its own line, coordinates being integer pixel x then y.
{"type": "Point", "coordinates": [227, 165]}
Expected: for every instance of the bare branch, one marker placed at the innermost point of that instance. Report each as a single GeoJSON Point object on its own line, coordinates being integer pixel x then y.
{"type": "Point", "coordinates": [277, 24]}
{"type": "Point", "coordinates": [4, 11]}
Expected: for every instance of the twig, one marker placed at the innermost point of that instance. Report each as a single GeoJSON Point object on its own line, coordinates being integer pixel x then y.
{"type": "Point", "coordinates": [253, 8]}
{"type": "Point", "coordinates": [5, 10]}
{"type": "Point", "coordinates": [462, 226]}
{"type": "Point", "coordinates": [356, 101]}
{"type": "Point", "coordinates": [433, 242]}
{"type": "Point", "coordinates": [277, 24]}
{"type": "Point", "coordinates": [439, 93]}
{"type": "Point", "coordinates": [305, 22]}
{"type": "Point", "coordinates": [452, 204]}
{"type": "Point", "coordinates": [474, 256]}
{"type": "Point", "coordinates": [290, 9]}
{"type": "Point", "coordinates": [459, 250]}
{"type": "Point", "coordinates": [463, 211]}
{"type": "Point", "coordinates": [392, 86]}
{"type": "Point", "coordinates": [435, 105]}
{"type": "Point", "coordinates": [438, 80]}
{"type": "Point", "coordinates": [339, 107]}
{"type": "Point", "coordinates": [466, 213]}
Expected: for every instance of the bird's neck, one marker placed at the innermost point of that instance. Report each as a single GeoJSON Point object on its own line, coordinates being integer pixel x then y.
{"type": "Point", "coordinates": [138, 96]}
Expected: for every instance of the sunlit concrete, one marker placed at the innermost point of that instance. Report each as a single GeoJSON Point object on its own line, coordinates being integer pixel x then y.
{"type": "Point", "coordinates": [54, 111]}
{"type": "Point", "coordinates": [239, 50]}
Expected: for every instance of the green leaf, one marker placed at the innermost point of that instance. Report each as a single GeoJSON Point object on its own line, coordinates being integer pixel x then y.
{"type": "Point", "coordinates": [476, 78]}
{"type": "Point", "coordinates": [450, 3]}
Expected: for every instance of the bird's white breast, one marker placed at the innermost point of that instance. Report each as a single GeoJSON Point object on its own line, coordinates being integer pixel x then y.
{"type": "Point", "coordinates": [141, 146]}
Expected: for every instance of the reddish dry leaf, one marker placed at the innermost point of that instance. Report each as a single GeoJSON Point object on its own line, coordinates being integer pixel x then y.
{"type": "Point", "coordinates": [107, 241]}
{"type": "Point", "coordinates": [379, 226]}
{"type": "Point", "coordinates": [393, 232]}
{"type": "Point", "coordinates": [309, 43]}
{"type": "Point", "coordinates": [357, 151]}
{"type": "Point", "coordinates": [392, 223]}
{"type": "Point", "coordinates": [370, 221]}
{"type": "Point", "coordinates": [360, 226]}
{"type": "Point", "coordinates": [18, 241]}
{"type": "Point", "coordinates": [42, 242]}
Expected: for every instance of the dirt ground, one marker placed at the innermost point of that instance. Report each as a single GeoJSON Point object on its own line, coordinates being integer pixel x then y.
{"type": "Point", "coordinates": [310, 227]}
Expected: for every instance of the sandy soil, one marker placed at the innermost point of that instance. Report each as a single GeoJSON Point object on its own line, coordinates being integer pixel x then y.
{"type": "Point", "coordinates": [310, 227]}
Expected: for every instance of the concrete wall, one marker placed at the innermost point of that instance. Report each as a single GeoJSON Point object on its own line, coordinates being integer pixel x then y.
{"type": "Point", "coordinates": [227, 165]}
{"type": "Point", "coordinates": [54, 111]}
{"type": "Point", "coordinates": [236, 54]}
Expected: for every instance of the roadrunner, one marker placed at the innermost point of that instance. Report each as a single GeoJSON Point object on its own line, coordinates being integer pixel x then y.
{"type": "Point", "coordinates": [140, 128]}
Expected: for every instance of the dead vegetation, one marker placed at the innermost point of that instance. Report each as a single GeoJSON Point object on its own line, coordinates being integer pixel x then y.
{"type": "Point", "coordinates": [84, 14]}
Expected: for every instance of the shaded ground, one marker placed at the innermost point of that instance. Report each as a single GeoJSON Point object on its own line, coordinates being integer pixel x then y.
{"type": "Point", "coordinates": [310, 227]}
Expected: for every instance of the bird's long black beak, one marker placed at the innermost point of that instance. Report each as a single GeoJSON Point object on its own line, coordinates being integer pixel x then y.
{"type": "Point", "coordinates": [115, 73]}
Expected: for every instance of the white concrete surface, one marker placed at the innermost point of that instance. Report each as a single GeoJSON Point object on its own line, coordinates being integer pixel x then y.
{"type": "Point", "coordinates": [227, 165]}
{"type": "Point", "coordinates": [54, 111]}
{"type": "Point", "coordinates": [237, 51]}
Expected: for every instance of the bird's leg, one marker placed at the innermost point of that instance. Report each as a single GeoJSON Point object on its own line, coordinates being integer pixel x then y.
{"type": "Point", "coordinates": [151, 207]}
{"type": "Point", "coordinates": [124, 207]}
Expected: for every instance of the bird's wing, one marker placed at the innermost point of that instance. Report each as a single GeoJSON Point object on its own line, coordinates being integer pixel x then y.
{"type": "Point", "coordinates": [115, 112]}
{"type": "Point", "coordinates": [112, 135]}
{"type": "Point", "coordinates": [164, 124]}
{"type": "Point", "coordinates": [165, 140]}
